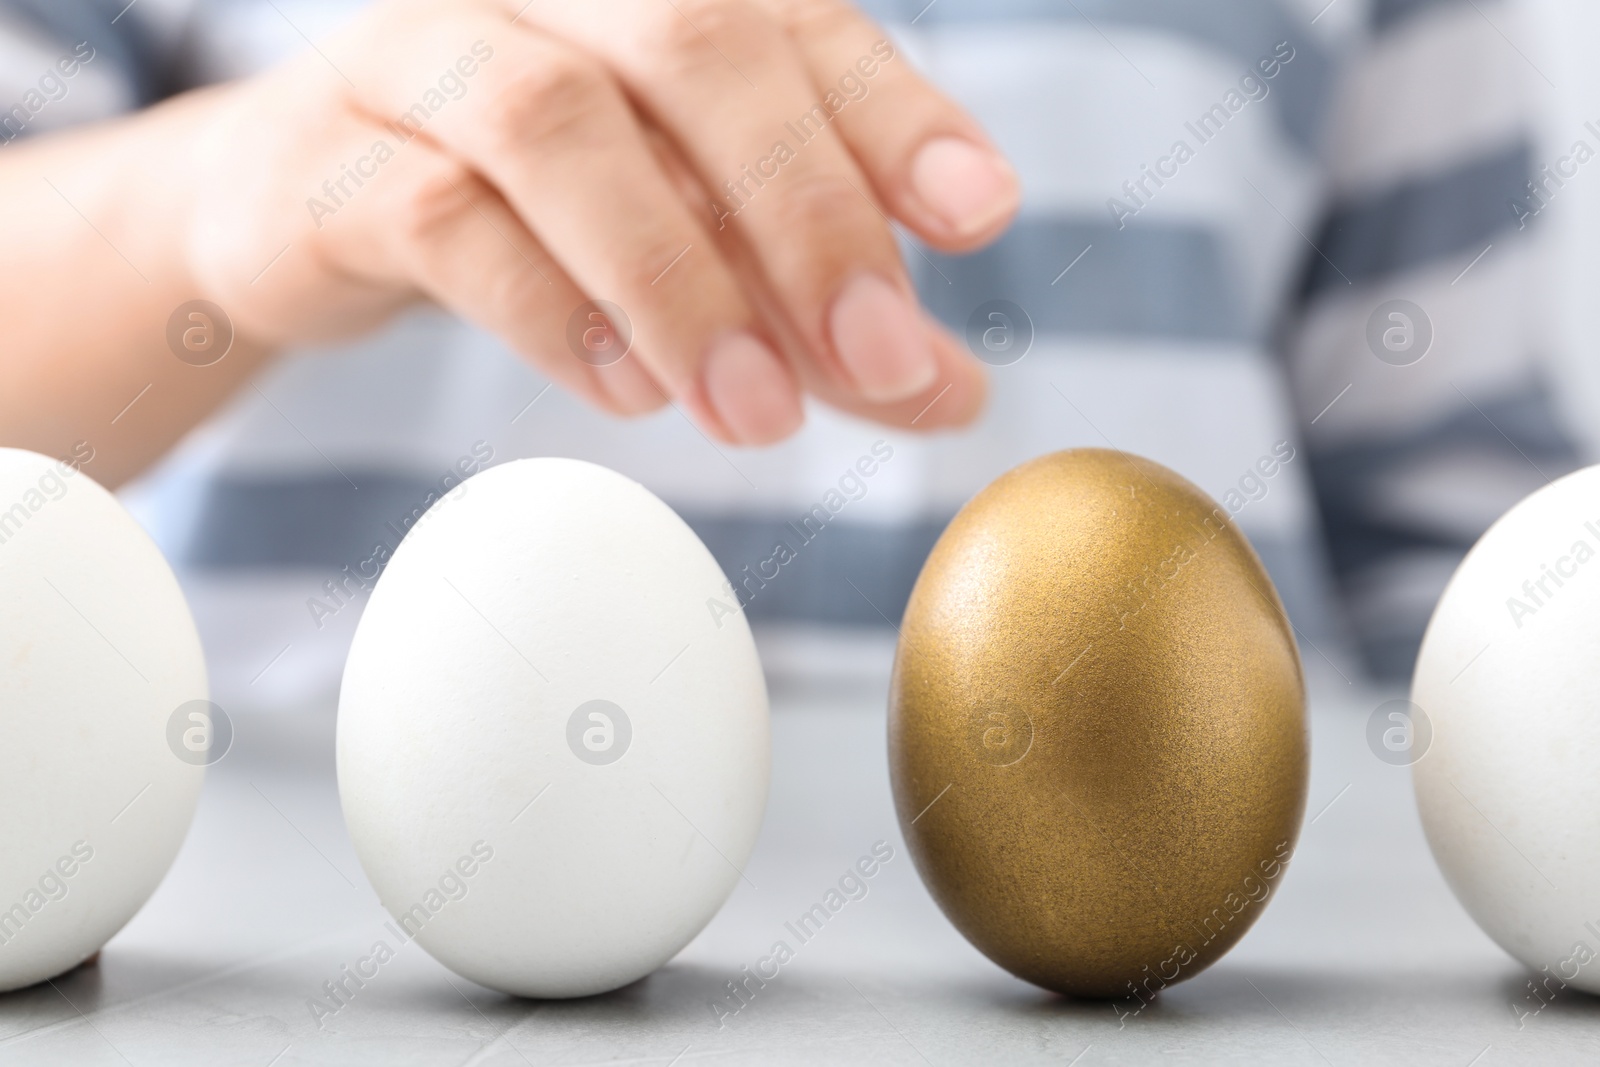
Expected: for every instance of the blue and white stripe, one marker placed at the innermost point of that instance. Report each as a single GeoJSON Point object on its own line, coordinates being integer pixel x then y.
{"type": "Point", "coordinates": [1224, 315]}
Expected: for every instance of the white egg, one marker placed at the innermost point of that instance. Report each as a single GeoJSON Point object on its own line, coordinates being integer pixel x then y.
{"type": "Point", "coordinates": [553, 744]}
{"type": "Point", "coordinates": [99, 659]}
{"type": "Point", "coordinates": [1509, 678]}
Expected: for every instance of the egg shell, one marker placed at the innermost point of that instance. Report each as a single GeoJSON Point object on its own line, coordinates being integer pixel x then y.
{"type": "Point", "coordinates": [1508, 677]}
{"type": "Point", "coordinates": [1097, 733]}
{"type": "Point", "coordinates": [476, 781]}
{"type": "Point", "coordinates": [97, 652]}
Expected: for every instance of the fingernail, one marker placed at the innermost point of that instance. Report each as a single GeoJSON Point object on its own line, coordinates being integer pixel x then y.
{"type": "Point", "coordinates": [969, 187]}
{"type": "Point", "coordinates": [751, 390]}
{"type": "Point", "coordinates": [881, 341]}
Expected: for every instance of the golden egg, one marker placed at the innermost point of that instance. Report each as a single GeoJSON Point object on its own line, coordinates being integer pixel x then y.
{"type": "Point", "coordinates": [1097, 731]}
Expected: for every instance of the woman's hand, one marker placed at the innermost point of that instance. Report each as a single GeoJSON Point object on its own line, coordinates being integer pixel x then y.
{"type": "Point", "coordinates": [723, 171]}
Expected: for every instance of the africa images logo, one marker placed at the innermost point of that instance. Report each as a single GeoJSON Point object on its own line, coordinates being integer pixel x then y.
{"type": "Point", "coordinates": [599, 732]}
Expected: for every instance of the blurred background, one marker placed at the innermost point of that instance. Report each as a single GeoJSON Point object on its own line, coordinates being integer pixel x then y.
{"type": "Point", "coordinates": [1216, 307]}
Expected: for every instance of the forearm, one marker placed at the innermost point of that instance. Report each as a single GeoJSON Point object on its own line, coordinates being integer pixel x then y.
{"type": "Point", "coordinates": [94, 225]}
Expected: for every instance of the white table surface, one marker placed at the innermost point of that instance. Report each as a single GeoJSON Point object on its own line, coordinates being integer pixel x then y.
{"type": "Point", "coordinates": [1363, 956]}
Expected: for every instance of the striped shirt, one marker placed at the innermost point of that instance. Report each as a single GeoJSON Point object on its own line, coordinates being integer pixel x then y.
{"type": "Point", "coordinates": [1274, 245]}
